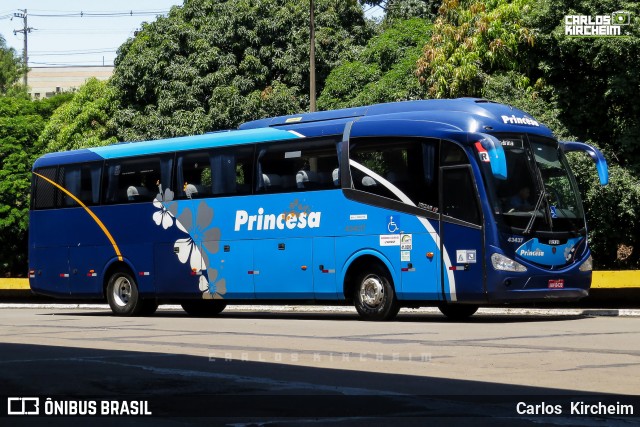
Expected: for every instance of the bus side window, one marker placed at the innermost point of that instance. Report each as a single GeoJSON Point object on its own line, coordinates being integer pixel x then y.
{"type": "Point", "coordinates": [193, 176]}
{"type": "Point", "coordinates": [43, 192]}
{"type": "Point", "coordinates": [452, 155]}
{"type": "Point", "coordinates": [214, 173]}
{"type": "Point", "coordinates": [459, 198]}
{"type": "Point", "coordinates": [83, 181]}
{"type": "Point", "coordinates": [137, 179]}
{"type": "Point", "coordinates": [397, 169]}
{"type": "Point", "coordinates": [288, 167]}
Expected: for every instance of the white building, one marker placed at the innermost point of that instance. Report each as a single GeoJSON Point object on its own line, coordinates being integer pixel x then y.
{"type": "Point", "coordinates": [45, 82]}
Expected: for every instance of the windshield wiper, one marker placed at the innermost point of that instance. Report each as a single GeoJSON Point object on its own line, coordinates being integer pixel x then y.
{"type": "Point", "coordinates": [529, 226]}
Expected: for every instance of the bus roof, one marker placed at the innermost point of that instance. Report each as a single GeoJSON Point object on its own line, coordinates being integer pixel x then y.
{"type": "Point", "coordinates": [214, 139]}
{"type": "Point", "coordinates": [461, 115]}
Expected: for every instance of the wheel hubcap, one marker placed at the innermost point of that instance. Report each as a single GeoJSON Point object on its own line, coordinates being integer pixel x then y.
{"type": "Point", "coordinates": [122, 291]}
{"type": "Point", "coordinates": [372, 291]}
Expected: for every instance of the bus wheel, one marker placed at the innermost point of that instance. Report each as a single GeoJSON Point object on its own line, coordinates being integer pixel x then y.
{"type": "Point", "coordinates": [123, 296]}
{"type": "Point", "coordinates": [374, 296]}
{"type": "Point", "coordinates": [457, 311]}
{"type": "Point", "coordinates": [203, 308]}
{"type": "Point", "coordinates": [148, 307]}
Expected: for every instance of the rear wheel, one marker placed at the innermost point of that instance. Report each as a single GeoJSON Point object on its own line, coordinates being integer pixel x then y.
{"type": "Point", "coordinates": [203, 308]}
{"type": "Point", "coordinates": [374, 297]}
{"type": "Point", "coordinates": [458, 311]}
{"type": "Point", "coordinates": [123, 296]}
{"type": "Point", "coordinates": [148, 307]}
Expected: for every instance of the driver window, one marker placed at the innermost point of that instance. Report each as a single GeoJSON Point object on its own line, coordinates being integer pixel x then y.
{"type": "Point", "coordinates": [401, 169]}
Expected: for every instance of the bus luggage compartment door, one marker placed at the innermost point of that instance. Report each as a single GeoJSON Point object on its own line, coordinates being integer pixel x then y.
{"type": "Point", "coordinates": [231, 268]}
{"type": "Point", "coordinates": [51, 267]}
{"type": "Point", "coordinates": [282, 268]}
{"type": "Point", "coordinates": [86, 264]}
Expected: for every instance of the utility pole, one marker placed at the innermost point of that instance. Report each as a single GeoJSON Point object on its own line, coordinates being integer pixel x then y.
{"type": "Point", "coordinates": [312, 61]}
{"type": "Point", "coordinates": [25, 30]}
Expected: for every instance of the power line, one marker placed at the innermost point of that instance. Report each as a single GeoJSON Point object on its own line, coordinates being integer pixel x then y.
{"type": "Point", "coordinates": [83, 14]}
{"type": "Point", "coordinates": [72, 54]}
{"type": "Point", "coordinates": [82, 31]}
{"type": "Point", "coordinates": [92, 11]}
{"type": "Point", "coordinates": [72, 51]}
{"type": "Point", "coordinates": [73, 63]}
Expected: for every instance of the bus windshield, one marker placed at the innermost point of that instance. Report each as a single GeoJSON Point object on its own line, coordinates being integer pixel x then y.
{"type": "Point", "coordinates": [539, 193]}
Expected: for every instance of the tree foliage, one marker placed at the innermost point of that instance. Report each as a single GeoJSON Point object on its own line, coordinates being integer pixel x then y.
{"type": "Point", "coordinates": [384, 71]}
{"type": "Point", "coordinates": [11, 68]}
{"type": "Point", "coordinates": [212, 64]}
{"type": "Point", "coordinates": [406, 9]}
{"type": "Point", "coordinates": [83, 122]}
{"type": "Point", "coordinates": [471, 40]}
{"type": "Point", "coordinates": [613, 213]}
{"type": "Point", "coordinates": [595, 80]}
{"type": "Point", "coordinates": [21, 121]}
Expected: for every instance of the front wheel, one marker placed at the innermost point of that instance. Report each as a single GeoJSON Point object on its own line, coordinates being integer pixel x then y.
{"type": "Point", "coordinates": [458, 311]}
{"type": "Point", "coordinates": [123, 296]}
{"type": "Point", "coordinates": [375, 298]}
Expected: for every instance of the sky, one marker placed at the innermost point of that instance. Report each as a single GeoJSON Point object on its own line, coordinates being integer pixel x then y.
{"type": "Point", "coordinates": [73, 40]}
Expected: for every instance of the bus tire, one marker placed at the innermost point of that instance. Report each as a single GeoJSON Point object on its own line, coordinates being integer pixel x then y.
{"type": "Point", "coordinates": [203, 308]}
{"type": "Point", "coordinates": [374, 296]}
{"type": "Point", "coordinates": [149, 307]}
{"type": "Point", "coordinates": [457, 311]}
{"type": "Point", "coordinates": [122, 294]}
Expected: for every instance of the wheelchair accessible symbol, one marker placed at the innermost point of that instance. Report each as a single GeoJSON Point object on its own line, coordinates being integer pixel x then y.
{"type": "Point", "coordinates": [393, 225]}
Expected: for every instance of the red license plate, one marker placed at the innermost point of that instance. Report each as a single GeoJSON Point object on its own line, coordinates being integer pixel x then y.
{"type": "Point", "coordinates": [556, 284]}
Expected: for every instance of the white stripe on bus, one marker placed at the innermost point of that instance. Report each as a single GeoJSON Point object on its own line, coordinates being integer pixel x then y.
{"type": "Point", "coordinates": [427, 225]}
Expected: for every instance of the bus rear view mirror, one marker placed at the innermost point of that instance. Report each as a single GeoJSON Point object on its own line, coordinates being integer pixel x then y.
{"type": "Point", "coordinates": [595, 154]}
{"type": "Point", "coordinates": [491, 151]}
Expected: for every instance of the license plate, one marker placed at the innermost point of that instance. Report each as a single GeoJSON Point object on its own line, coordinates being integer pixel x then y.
{"type": "Point", "coordinates": [556, 284]}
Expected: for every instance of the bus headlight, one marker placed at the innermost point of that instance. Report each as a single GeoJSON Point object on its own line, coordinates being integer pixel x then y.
{"type": "Point", "coordinates": [587, 265]}
{"type": "Point", "coordinates": [501, 262]}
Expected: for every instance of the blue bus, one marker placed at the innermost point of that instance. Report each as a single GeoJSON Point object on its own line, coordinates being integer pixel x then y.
{"type": "Point", "coordinates": [451, 203]}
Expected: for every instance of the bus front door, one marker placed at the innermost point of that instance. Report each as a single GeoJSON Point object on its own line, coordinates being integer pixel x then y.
{"type": "Point", "coordinates": [461, 236]}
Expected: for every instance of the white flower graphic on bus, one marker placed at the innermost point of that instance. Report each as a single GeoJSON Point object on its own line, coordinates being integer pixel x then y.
{"type": "Point", "coordinates": [199, 229]}
{"type": "Point", "coordinates": [163, 216]}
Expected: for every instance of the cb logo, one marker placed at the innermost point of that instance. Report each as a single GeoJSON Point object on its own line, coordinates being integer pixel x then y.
{"type": "Point", "coordinates": [23, 406]}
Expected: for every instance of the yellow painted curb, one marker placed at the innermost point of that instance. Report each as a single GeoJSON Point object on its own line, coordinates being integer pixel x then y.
{"type": "Point", "coordinates": [616, 279]}
{"type": "Point", "coordinates": [14, 284]}
{"type": "Point", "coordinates": [601, 280]}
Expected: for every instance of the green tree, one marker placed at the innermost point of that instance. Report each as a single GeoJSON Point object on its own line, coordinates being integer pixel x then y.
{"type": "Point", "coordinates": [212, 64]}
{"type": "Point", "coordinates": [82, 122]}
{"type": "Point", "coordinates": [384, 71]}
{"type": "Point", "coordinates": [471, 40]}
{"type": "Point", "coordinates": [21, 121]}
{"type": "Point", "coordinates": [11, 68]}
{"type": "Point", "coordinates": [406, 9]}
{"type": "Point", "coordinates": [613, 213]}
{"type": "Point", "coordinates": [595, 81]}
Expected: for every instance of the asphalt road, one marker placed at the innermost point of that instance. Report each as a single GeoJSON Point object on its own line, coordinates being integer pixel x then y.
{"type": "Point", "coordinates": [320, 367]}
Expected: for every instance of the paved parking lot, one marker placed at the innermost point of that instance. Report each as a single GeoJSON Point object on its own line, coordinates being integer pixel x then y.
{"type": "Point", "coordinates": [311, 357]}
